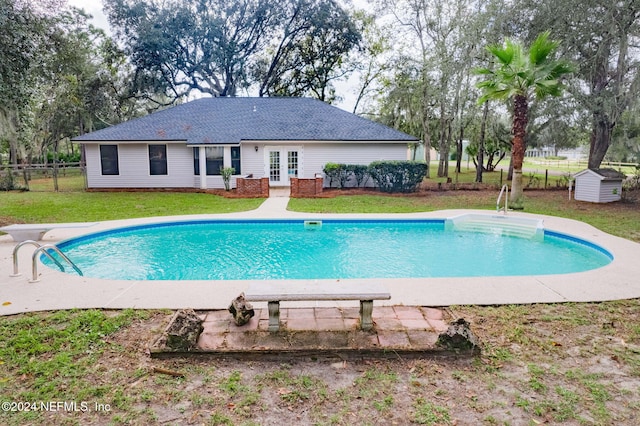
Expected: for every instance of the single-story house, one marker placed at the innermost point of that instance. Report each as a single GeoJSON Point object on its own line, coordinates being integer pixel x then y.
{"type": "Point", "coordinates": [186, 146]}
{"type": "Point", "coordinates": [598, 185]}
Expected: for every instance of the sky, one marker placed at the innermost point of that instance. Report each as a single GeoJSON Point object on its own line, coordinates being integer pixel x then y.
{"type": "Point", "coordinates": [94, 8]}
{"type": "Point", "coordinates": [346, 90]}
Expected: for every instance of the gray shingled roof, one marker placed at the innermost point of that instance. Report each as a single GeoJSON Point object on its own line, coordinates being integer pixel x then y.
{"type": "Point", "coordinates": [610, 174]}
{"type": "Point", "coordinates": [231, 120]}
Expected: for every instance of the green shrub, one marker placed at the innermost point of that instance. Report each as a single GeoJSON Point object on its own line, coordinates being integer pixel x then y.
{"type": "Point", "coordinates": [397, 176]}
{"type": "Point", "coordinates": [226, 173]}
{"type": "Point", "coordinates": [341, 174]}
{"type": "Point", "coordinates": [338, 173]}
{"type": "Point", "coordinates": [8, 182]}
{"type": "Point", "coordinates": [360, 173]}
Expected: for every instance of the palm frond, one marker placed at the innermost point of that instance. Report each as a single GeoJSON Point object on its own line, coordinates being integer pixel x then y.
{"type": "Point", "coordinates": [541, 48]}
{"type": "Point", "coordinates": [483, 71]}
{"type": "Point", "coordinates": [503, 54]}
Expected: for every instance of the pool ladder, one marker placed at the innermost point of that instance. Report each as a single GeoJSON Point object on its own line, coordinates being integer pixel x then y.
{"type": "Point", "coordinates": [505, 191]}
{"type": "Point", "coordinates": [34, 258]}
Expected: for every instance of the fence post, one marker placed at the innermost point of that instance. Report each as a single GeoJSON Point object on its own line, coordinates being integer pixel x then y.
{"type": "Point", "coordinates": [546, 177]}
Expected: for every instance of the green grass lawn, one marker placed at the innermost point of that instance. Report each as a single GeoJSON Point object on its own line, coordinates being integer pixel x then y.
{"type": "Point", "coordinates": [80, 206]}
{"type": "Point", "coordinates": [378, 203]}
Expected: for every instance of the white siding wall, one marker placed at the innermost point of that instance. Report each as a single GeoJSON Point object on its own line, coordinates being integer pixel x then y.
{"type": "Point", "coordinates": [317, 155]}
{"type": "Point", "coordinates": [252, 161]}
{"type": "Point", "coordinates": [213, 182]}
{"type": "Point", "coordinates": [610, 191]}
{"type": "Point", "coordinates": [587, 187]}
{"type": "Point", "coordinates": [133, 162]}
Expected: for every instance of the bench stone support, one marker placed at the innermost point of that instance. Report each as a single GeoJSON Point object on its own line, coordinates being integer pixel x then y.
{"type": "Point", "coordinates": [274, 315]}
{"type": "Point", "coordinates": [366, 312]}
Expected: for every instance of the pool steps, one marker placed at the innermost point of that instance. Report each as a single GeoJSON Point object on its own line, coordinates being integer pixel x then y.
{"type": "Point", "coordinates": [497, 224]}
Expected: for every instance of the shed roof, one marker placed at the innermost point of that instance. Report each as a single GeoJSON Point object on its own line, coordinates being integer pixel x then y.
{"type": "Point", "coordinates": [232, 120]}
{"type": "Point", "coordinates": [603, 174]}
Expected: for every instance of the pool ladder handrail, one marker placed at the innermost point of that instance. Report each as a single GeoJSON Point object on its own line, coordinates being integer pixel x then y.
{"type": "Point", "coordinates": [16, 271]}
{"type": "Point", "coordinates": [505, 191]}
{"type": "Point", "coordinates": [34, 258]}
{"type": "Point", "coordinates": [43, 249]}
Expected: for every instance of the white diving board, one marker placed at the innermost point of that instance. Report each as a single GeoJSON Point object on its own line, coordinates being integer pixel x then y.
{"type": "Point", "coordinates": [25, 231]}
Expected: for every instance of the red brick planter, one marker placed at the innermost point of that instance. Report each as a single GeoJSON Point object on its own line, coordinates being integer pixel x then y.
{"type": "Point", "coordinates": [301, 188]}
{"type": "Point", "coordinates": [250, 187]}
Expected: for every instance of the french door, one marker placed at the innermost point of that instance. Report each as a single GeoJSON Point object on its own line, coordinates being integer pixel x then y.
{"type": "Point", "coordinates": [283, 164]}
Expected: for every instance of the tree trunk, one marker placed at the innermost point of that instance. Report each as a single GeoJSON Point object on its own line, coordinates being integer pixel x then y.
{"type": "Point", "coordinates": [425, 114]}
{"type": "Point", "coordinates": [459, 150]}
{"type": "Point", "coordinates": [55, 166]}
{"type": "Point", "coordinates": [443, 164]}
{"type": "Point", "coordinates": [518, 149]}
{"type": "Point", "coordinates": [601, 81]}
{"type": "Point", "coordinates": [483, 131]}
{"type": "Point", "coordinates": [600, 139]}
{"type": "Point", "coordinates": [427, 137]}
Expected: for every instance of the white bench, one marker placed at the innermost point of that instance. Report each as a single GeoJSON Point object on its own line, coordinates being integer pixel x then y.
{"type": "Point", "coordinates": [23, 232]}
{"type": "Point", "coordinates": [276, 292]}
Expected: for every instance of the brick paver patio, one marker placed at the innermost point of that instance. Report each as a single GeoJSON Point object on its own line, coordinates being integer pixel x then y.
{"type": "Point", "coordinates": [321, 331]}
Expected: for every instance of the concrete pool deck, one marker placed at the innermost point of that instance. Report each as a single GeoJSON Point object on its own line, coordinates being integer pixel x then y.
{"type": "Point", "coordinates": [56, 290]}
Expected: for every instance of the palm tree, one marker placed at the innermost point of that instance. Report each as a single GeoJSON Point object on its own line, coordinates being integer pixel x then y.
{"type": "Point", "coordinates": [519, 76]}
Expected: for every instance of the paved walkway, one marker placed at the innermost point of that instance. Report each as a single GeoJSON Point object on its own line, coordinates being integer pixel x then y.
{"type": "Point", "coordinates": [276, 204]}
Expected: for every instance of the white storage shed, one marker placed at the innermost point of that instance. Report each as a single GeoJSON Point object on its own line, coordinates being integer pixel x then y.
{"type": "Point", "coordinates": [598, 185]}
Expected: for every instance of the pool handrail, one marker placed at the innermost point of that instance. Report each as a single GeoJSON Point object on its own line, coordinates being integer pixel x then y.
{"type": "Point", "coordinates": [505, 190]}
{"type": "Point", "coordinates": [16, 271]}
{"type": "Point", "coordinates": [43, 249]}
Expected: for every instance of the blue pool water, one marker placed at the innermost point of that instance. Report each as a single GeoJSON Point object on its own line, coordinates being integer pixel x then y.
{"type": "Point", "coordinates": [285, 249]}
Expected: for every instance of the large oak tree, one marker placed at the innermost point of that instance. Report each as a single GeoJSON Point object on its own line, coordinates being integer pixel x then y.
{"type": "Point", "coordinates": [220, 47]}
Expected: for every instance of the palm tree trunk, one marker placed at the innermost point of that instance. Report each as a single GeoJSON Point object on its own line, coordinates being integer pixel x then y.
{"type": "Point", "coordinates": [518, 149]}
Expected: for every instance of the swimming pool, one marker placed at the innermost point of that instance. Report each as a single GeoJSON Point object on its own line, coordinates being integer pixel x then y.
{"type": "Point", "coordinates": [331, 249]}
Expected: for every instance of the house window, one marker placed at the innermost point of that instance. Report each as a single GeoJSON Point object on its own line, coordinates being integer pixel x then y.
{"type": "Point", "coordinates": [158, 159]}
{"type": "Point", "coordinates": [215, 159]}
{"type": "Point", "coordinates": [109, 159]}
{"type": "Point", "coordinates": [235, 159]}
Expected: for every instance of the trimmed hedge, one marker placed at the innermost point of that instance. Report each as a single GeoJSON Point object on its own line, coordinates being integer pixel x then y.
{"type": "Point", "coordinates": [389, 176]}
{"type": "Point", "coordinates": [397, 176]}
{"type": "Point", "coordinates": [336, 173]}
{"type": "Point", "coordinates": [345, 174]}
{"type": "Point", "coordinates": [359, 172]}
